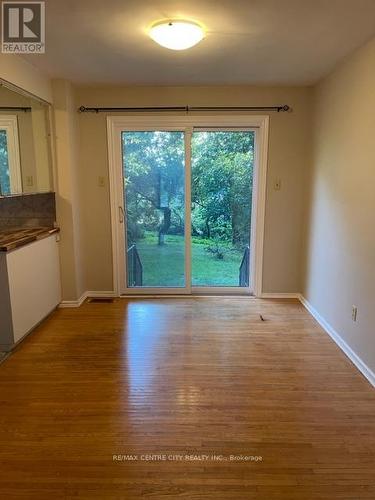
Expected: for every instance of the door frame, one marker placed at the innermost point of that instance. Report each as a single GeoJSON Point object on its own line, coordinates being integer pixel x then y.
{"type": "Point", "coordinates": [118, 123]}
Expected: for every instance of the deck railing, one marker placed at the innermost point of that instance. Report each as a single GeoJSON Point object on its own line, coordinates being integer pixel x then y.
{"type": "Point", "coordinates": [135, 270]}
{"type": "Point", "coordinates": [245, 268]}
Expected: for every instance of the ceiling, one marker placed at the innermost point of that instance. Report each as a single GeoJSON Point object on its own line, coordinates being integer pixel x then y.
{"type": "Point", "coordinates": [268, 42]}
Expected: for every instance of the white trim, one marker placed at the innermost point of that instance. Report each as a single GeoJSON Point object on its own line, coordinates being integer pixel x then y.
{"type": "Point", "coordinates": [153, 122]}
{"type": "Point", "coordinates": [354, 358]}
{"type": "Point", "coordinates": [77, 303]}
{"type": "Point", "coordinates": [277, 295]}
{"type": "Point", "coordinates": [187, 222]}
{"type": "Point", "coordinates": [259, 206]}
{"type": "Point", "coordinates": [184, 296]}
{"type": "Point", "coordinates": [114, 162]}
{"type": "Point", "coordinates": [100, 294]}
{"type": "Point", "coordinates": [116, 124]}
{"type": "Point", "coordinates": [9, 123]}
{"type": "Point", "coordinates": [155, 290]}
{"type": "Point", "coordinates": [222, 290]}
{"type": "Point", "coordinates": [73, 303]}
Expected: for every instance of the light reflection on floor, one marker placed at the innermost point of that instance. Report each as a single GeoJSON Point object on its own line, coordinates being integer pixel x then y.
{"type": "Point", "coordinates": [152, 353]}
{"type": "Point", "coordinates": [145, 329]}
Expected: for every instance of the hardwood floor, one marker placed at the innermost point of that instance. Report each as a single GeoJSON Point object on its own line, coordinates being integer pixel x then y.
{"type": "Point", "coordinates": [191, 376]}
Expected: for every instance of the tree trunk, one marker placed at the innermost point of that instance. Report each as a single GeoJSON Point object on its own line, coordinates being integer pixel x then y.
{"type": "Point", "coordinates": [161, 238]}
{"type": "Point", "coordinates": [166, 224]}
{"type": "Point", "coordinates": [208, 230]}
{"type": "Point", "coordinates": [235, 223]}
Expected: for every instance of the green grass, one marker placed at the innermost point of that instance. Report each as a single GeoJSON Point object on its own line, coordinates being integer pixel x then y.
{"type": "Point", "coordinates": [164, 265]}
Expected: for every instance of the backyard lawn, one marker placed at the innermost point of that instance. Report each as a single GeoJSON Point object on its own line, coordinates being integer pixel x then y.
{"type": "Point", "coordinates": [164, 265]}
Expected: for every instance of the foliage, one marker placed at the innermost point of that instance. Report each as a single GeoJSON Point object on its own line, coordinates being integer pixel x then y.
{"type": "Point", "coordinates": [216, 249]}
{"type": "Point", "coordinates": [4, 167]}
{"type": "Point", "coordinates": [222, 172]}
{"type": "Point", "coordinates": [222, 185]}
{"type": "Point", "coordinates": [154, 181]}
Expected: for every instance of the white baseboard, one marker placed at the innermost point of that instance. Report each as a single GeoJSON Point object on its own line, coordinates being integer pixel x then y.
{"type": "Point", "coordinates": [277, 295]}
{"type": "Point", "coordinates": [73, 303]}
{"type": "Point", "coordinates": [106, 294]}
{"type": "Point", "coordinates": [95, 293]}
{"type": "Point", "coordinates": [354, 358]}
{"type": "Point", "coordinates": [77, 303]}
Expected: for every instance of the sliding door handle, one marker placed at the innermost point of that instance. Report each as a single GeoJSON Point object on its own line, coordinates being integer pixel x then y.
{"type": "Point", "coordinates": [121, 214]}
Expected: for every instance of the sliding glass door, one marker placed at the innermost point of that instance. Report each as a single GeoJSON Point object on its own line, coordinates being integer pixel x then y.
{"type": "Point", "coordinates": [186, 210]}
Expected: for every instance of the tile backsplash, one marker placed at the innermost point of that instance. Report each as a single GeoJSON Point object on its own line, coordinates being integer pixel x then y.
{"type": "Point", "coordinates": [29, 210]}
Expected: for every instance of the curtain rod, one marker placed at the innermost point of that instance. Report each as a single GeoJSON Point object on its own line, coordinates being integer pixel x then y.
{"type": "Point", "coordinates": [186, 109]}
{"type": "Point", "coordinates": [15, 108]}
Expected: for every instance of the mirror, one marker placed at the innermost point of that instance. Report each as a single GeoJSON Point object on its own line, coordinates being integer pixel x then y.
{"type": "Point", "coordinates": [25, 153]}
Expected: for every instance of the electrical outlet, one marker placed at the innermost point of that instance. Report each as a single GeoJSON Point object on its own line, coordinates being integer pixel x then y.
{"type": "Point", "coordinates": [354, 313]}
{"type": "Point", "coordinates": [277, 185]}
{"type": "Point", "coordinates": [101, 181]}
{"type": "Point", "coordinates": [29, 180]}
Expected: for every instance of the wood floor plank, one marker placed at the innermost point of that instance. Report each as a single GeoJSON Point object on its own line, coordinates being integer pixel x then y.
{"type": "Point", "coordinates": [203, 381]}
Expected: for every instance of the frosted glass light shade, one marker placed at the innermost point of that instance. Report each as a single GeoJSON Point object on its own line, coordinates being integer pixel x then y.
{"type": "Point", "coordinates": [176, 35]}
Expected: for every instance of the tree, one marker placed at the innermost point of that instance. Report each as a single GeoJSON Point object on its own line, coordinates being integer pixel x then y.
{"type": "Point", "coordinates": [154, 179]}
{"type": "Point", "coordinates": [222, 172]}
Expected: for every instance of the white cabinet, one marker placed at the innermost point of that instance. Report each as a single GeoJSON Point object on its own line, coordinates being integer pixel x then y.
{"type": "Point", "coordinates": [29, 288]}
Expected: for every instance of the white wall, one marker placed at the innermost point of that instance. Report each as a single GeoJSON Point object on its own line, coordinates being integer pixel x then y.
{"type": "Point", "coordinates": [340, 236]}
{"type": "Point", "coordinates": [68, 190]}
{"type": "Point", "coordinates": [289, 156]}
{"type": "Point", "coordinates": [19, 72]}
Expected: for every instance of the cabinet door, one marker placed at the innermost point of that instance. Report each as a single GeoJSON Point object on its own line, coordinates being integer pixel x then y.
{"type": "Point", "coordinates": [34, 283]}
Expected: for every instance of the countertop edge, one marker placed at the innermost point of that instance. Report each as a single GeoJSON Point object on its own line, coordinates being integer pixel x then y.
{"type": "Point", "coordinates": [15, 245]}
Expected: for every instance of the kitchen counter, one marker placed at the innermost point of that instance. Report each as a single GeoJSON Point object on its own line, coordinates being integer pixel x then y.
{"type": "Point", "coordinates": [11, 239]}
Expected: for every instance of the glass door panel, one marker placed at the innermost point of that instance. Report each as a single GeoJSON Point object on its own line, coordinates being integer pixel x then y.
{"type": "Point", "coordinates": [5, 187]}
{"type": "Point", "coordinates": [154, 192]}
{"type": "Point", "coordinates": [221, 194]}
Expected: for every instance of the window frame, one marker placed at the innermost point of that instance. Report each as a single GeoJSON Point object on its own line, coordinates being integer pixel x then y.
{"type": "Point", "coordinates": [9, 123]}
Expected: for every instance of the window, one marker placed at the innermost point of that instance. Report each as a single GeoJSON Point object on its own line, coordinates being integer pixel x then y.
{"type": "Point", "coordinates": [10, 169]}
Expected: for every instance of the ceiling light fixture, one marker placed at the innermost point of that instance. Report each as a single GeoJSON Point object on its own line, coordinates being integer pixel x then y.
{"type": "Point", "coordinates": [176, 35]}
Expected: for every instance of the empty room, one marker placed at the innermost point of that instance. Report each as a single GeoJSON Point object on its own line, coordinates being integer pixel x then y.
{"type": "Point", "coordinates": [187, 250]}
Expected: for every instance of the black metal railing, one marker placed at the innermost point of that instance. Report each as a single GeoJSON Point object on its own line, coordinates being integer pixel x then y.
{"type": "Point", "coordinates": [245, 268]}
{"type": "Point", "coordinates": [135, 270]}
